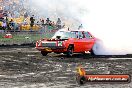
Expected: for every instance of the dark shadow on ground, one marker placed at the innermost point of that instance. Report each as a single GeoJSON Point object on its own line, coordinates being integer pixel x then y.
{"type": "Point", "coordinates": [85, 56]}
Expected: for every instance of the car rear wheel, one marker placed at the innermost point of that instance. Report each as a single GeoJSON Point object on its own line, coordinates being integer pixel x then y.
{"type": "Point", "coordinates": [44, 53]}
{"type": "Point", "coordinates": [70, 51]}
{"type": "Point", "coordinates": [97, 48]}
{"type": "Point", "coordinates": [92, 52]}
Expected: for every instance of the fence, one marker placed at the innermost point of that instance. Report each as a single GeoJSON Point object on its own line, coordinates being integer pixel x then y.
{"type": "Point", "coordinates": [24, 37]}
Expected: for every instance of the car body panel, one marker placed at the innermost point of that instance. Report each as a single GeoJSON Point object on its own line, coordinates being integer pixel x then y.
{"type": "Point", "coordinates": [58, 45]}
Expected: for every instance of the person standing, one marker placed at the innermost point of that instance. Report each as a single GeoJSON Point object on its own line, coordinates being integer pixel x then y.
{"type": "Point", "coordinates": [7, 23]}
{"type": "Point", "coordinates": [32, 22]}
{"type": "Point", "coordinates": [47, 21]}
{"type": "Point", "coordinates": [58, 23]}
{"type": "Point", "coordinates": [12, 24]}
{"type": "Point", "coordinates": [42, 22]}
{"type": "Point", "coordinates": [80, 27]}
{"type": "Point", "coordinates": [4, 25]}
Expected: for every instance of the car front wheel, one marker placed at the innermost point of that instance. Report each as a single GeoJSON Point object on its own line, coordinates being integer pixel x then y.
{"type": "Point", "coordinates": [70, 51]}
{"type": "Point", "coordinates": [44, 53]}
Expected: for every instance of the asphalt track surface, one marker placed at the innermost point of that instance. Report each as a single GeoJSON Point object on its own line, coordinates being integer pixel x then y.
{"type": "Point", "coordinates": [27, 68]}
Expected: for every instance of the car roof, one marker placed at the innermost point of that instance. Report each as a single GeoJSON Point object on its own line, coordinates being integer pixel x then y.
{"type": "Point", "coordinates": [80, 30]}
{"type": "Point", "coordinates": [71, 30]}
{"type": "Point", "coordinates": [8, 34]}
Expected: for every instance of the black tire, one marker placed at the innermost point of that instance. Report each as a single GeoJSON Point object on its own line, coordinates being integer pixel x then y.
{"type": "Point", "coordinates": [92, 52]}
{"type": "Point", "coordinates": [57, 53]}
{"type": "Point", "coordinates": [97, 48]}
{"type": "Point", "coordinates": [44, 53]}
{"type": "Point", "coordinates": [70, 51]}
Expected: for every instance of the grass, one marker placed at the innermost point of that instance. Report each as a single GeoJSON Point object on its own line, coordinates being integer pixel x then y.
{"type": "Point", "coordinates": [24, 38]}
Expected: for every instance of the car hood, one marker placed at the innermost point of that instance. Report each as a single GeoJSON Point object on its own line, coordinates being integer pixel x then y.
{"type": "Point", "coordinates": [53, 39]}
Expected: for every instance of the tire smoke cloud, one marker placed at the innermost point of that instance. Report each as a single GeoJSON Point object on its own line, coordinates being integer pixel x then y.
{"type": "Point", "coordinates": [108, 20]}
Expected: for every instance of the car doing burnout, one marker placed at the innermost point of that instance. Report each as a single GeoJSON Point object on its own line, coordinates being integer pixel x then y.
{"type": "Point", "coordinates": [67, 42]}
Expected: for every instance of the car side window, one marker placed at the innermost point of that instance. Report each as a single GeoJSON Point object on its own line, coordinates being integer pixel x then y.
{"type": "Point", "coordinates": [76, 34]}
{"type": "Point", "coordinates": [73, 35]}
{"type": "Point", "coordinates": [87, 35]}
{"type": "Point", "coordinates": [80, 34]}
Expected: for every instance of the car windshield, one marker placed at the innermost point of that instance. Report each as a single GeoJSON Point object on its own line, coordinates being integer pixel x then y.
{"type": "Point", "coordinates": [64, 35]}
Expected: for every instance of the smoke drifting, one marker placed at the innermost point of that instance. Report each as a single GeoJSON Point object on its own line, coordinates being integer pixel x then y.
{"type": "Point", "coordinates": [68, 10]}
{"type": "Point", "coordinates": [108, 20]}
{"type": "Point", "coordinates": [111, 21]}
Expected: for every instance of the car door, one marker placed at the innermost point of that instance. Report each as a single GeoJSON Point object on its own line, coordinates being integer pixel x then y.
{"type": "Point", "coordinates": [89, 41]}
{"type": "Point", "coordinates": [79, 44]}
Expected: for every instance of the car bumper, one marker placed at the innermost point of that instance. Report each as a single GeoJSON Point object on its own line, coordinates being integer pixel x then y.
{"type": "Point", "coordinates": [51, 49]}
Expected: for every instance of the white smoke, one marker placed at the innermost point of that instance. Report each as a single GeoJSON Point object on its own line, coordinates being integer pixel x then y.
{"type": "Point", "coordinates": [111, 21]}
{"type": "Point", "coordinates": [68, 10]}
{"type": "Point", "coordinates": [108, 20]}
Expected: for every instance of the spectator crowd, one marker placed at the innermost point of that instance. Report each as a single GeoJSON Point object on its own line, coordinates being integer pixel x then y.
{"type": "Point", "coordinates": [17, 15]}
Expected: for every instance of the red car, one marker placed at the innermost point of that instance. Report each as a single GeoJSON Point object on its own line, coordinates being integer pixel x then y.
{"type": "Point", "coordinates": [67, 42]}
{"type": "Point", "coordinates": [8, 36]}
